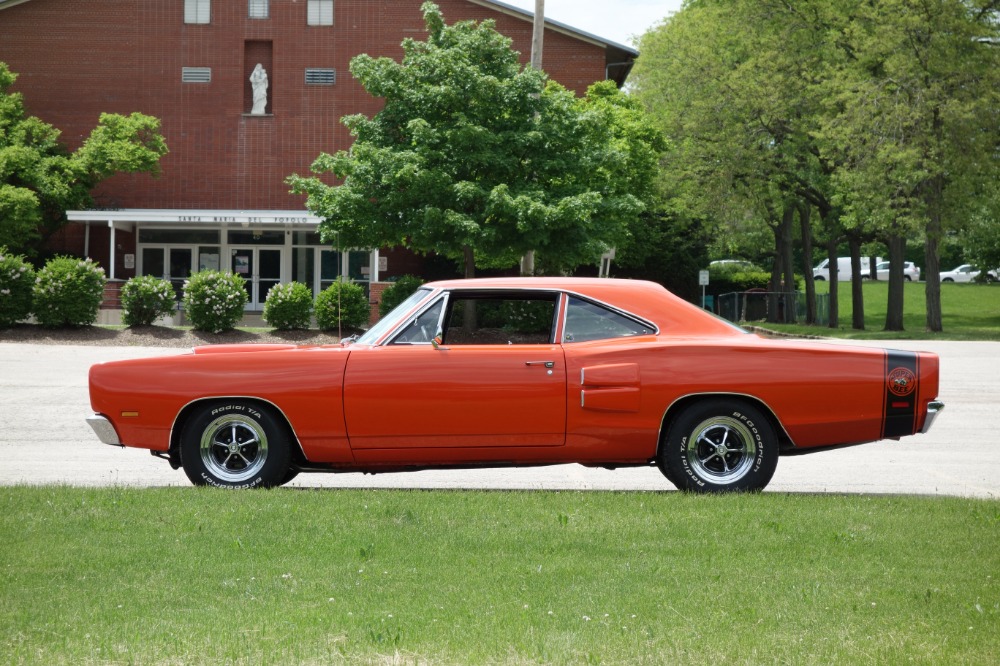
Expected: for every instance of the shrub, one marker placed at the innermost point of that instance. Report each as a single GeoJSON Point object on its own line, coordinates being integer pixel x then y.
{"type": "Point", "coordinates": [145, 299]}
{"type": "Point", "coordinates": [68, 292]}
{"type": "Point", "coordinates": [397, 293]}
{"type": "Point", "coordinates": [288, 306]}
{"type": "Point", "coordinates": [342, 305]}
{"type": "Point", "coordinates": [214, 300]}
{"type": "Point", "coordinates": [737, 280]}
{"type": "Point", "coordinates": [17, 279]}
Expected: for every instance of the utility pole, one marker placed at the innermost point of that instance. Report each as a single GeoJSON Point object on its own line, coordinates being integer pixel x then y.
{"type": "Point", "coordinates": [537, 35]}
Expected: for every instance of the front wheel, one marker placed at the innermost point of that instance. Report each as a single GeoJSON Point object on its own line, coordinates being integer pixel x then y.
{"type": "Point", "coordinates": [235, 444]}
{"type": "Point", "coordinates": [719, 445]}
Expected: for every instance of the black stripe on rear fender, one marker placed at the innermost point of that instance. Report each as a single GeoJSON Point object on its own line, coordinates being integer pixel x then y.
{"type": "Point", "coordinates": [899, 407]}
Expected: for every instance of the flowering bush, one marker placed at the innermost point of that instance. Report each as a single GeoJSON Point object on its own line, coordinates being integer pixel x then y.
{"type": "Point", "coordinates": [145, 299]}
{"type": "Point", "coordinates": [288, 306]}
{"type": "Point", "coordinates": [214, 300]}
{"type": "Point", "coordinates": [342, 305]}
{"type": "Point", "coordinates": [397, 293]}
{"type": "Point", "coordinates": [68, 292]}
{"type": "Point", "coordinates": [16, 280]}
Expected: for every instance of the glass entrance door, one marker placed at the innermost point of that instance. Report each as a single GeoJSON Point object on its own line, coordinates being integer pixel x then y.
{"type": "Point", "coordinates": [260, 268]}
{"type": "Point", "coordinates": [169, 263]}
{"type": "Point", "coordinates": [180, 268]}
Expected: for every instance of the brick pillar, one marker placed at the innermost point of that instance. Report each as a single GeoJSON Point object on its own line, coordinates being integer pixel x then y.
{"type": "Point", "coordinates": [375, 290]}
{"type": "Point", "coordinates": [112, 295]}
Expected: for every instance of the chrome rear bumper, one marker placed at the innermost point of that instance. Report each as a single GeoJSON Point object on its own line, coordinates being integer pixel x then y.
{"type": "Point", "coordinates": [934, 408]}
{"type": "Point", "coordinates": [104, 430]}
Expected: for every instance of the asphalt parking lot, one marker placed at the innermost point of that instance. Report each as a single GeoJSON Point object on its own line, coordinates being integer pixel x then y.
{"type": "Point", "coordinates": [44, 439]}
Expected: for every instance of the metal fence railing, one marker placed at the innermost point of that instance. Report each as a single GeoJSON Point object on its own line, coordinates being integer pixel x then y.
{"type": "Point", "coordinates": [778, 306]}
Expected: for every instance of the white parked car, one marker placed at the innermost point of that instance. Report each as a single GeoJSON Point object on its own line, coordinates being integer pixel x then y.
{"type": "Point", "coordinates": [910, 271]}
{"type": "Point", "coordinates": [966, 273]}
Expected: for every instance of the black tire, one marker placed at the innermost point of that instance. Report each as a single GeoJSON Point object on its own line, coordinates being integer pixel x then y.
{"type": "Point", "coordinates": [235, 444]}
{"type": "Point", "coordinates": [719, 445]}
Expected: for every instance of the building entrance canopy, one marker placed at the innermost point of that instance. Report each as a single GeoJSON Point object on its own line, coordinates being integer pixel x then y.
{"type": "Point", "coordinates": [265, 247]}
{"type": "Point", "coordinates": [124, 218]}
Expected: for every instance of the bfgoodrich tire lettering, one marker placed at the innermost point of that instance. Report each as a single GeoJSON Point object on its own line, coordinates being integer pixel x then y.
{"type": "Point", "coordinates": [719, 445]}
{"type": "Point", "coordinates": [235, 444]}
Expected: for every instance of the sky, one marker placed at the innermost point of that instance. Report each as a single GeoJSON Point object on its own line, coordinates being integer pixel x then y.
{"type": "Point", "coordinates": [617, 20]}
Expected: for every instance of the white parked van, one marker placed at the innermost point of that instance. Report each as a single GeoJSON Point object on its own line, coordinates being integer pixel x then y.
{"type": "Point", "coordinates": [822, 269]}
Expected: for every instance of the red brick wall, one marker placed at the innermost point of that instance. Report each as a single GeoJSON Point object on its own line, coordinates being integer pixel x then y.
{"type": "Point", "coordinates": [79, 58]}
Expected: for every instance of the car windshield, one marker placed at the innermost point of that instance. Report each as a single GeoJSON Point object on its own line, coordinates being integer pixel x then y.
{"type": "Point", "coordinates": [389, 321]}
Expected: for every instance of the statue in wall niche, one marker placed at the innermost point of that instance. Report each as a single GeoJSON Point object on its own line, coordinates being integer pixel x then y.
{"type": "Point", "coordinates": [258, 81]}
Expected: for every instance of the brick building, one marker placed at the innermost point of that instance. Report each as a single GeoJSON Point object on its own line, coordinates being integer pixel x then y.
{"type": "Point", "coordinates": [221, 201]}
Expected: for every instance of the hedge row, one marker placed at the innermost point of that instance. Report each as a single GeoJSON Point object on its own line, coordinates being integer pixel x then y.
{"type": "Point", "coordinates": [69, 291]}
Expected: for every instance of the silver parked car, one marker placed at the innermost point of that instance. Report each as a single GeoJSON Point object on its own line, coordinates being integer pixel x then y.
{"type": "Point", "coordinates": [911, 272]}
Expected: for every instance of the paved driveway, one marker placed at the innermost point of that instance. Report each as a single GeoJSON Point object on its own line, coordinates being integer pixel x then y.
{"type": "Point", "coordinates": [44, 439]}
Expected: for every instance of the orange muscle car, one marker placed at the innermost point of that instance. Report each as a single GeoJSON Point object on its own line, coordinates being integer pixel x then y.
{"type": "Point", "coordinates": [516, 372]}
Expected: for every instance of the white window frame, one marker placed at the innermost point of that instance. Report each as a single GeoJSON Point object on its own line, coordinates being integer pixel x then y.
{"type": "Point", "coordinates": [258, 9]}
{"type": "Point", "coordinates": [198, 11]}
{"type": "Point", "coordinates": [319, 12]}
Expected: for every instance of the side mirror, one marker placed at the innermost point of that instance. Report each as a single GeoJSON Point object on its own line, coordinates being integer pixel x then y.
{"type": "Point", "coordinates": [438, 339]}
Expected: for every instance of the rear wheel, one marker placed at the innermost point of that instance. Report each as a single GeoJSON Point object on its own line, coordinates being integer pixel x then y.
{"type": "Point", "coordinates": [719, 445]}
{"type": "Point", "coordinates": [235, 444]}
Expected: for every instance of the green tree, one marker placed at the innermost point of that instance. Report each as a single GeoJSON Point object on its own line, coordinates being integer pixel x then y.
{"type": "Point", "coordinates": [912, 122]}
{"type": "Point", "coordinates": [40, 179]}
{"type": "Point", "coordinates": [880, 115]}
{"type": "Point", "coordinates": [730, 83]}
{"type": "Point", "coordinates": [481, 160]}
{"type": "Point", "coordinates": [982, 240]}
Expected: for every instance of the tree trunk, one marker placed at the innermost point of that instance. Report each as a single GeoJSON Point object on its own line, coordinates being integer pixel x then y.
{"type": "Point", "coordinates": [857, 296]}
{"type": "Point", "coordinates": [787, 310]}
{"type": "Point", "coordinates": [776, 309]}
{"type": "Point", "coordinates": [470, 262]}
{"type": "Point", "coordinates": [932, 275]}
{"type": "Point", "coordinates": [831, 255]}
{"type": "Point", "coordinates": [805, 211]}
{"type": "Point", "coordinates": [932, 257]}
{"type": "Point", "coordinates": [774, 286]}
{"type": "Point", "coordinates": [894, 306]}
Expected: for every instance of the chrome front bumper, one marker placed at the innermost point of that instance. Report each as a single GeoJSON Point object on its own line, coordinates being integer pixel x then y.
{"type": "Point", "coordinates": [934, 408]}
{"type": "Point", "coordinates": [104, 430]}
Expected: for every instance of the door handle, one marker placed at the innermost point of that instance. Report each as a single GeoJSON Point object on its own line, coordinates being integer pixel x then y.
{"type": "Point", "coordinates": [547, 364]}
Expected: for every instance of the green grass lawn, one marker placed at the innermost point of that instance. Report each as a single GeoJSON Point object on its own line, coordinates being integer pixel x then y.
{"type": "Point", "coordinates": [191, 576]}
{"type": "Point", "coordinates": [968, 312]}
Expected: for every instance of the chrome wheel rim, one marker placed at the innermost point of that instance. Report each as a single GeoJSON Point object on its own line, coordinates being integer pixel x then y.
{"type": "Point", "coordinates": [233, 448]}
{"type": "Point", "coordinates": [721, 450]}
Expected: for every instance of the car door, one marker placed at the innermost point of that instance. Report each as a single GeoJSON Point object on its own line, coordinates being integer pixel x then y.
{"type": "Point", "coordinates": [493, 378]}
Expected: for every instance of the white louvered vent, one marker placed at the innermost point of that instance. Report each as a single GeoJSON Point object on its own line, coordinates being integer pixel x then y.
{"type": "Point", "coordinates": [196, 74]}
{"type": "Point", "coordinates": [320, 77]}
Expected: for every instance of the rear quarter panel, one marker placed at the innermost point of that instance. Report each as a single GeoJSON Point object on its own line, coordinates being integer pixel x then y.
{"type": "Point", "coordinates": [822, 395]}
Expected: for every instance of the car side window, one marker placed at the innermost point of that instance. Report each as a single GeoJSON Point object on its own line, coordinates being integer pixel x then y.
{"type": "Point", "coordinates": [489, 319]}
{"type": "Point", "coordinates": [590, 321]}
{"type": "Point", "coordinates": [420, 330]}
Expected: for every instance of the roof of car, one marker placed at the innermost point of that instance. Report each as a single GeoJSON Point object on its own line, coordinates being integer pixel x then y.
{"type": "Point", "coordinates": [649, 300]}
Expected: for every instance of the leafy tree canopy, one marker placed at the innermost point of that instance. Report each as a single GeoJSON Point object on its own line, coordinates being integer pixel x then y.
{"type": "Point", "coordinates": [880, 115]}
{"type": "Point", "coordinates": [481, 160]}
{"type": "Point", "coordinates": [40, 179]}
